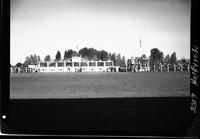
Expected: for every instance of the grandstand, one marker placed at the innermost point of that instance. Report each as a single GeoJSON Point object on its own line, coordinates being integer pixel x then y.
{"type": "Point", "coordinates": [75, 64]}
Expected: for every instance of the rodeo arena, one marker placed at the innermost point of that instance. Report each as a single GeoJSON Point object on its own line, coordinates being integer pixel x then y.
{"type": "Point", "coordinates": [79, 64]}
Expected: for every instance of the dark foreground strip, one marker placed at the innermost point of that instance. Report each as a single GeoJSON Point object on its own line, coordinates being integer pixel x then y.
{"type": "Point", "coordinates": [109, 116]}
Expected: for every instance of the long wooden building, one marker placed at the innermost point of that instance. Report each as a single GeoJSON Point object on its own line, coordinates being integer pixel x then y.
{"type": "Point", "coordinates": [75, 64]}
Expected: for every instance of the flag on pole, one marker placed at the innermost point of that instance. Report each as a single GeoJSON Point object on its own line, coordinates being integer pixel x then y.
{"type": "Point", "coordinates": [140, 43]}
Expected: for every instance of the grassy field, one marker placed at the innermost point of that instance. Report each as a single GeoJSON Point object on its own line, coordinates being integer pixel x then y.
{"type": "Point", "coordinates": [153, 104]}
{"type": "Point", "coordinates": [99, 85]}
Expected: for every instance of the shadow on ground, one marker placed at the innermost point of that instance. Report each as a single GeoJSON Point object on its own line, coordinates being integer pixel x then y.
{"type": "Point", "coordinates": [166, 116]}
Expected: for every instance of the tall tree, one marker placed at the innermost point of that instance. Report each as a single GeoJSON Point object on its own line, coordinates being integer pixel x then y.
{"type": "Point", "coordinates": [167, 58]}
{"type": "Point", "coordinates": [113, 58]}
{"type": "Point", "coordinates": [144, 56]}
{"type": "Point", "coordinates": [27, 61]}
{"type": "Point", "coordinates": [95, 58]}
{"type": "Point", "coordinates": [70, 53]}
{"type": "Point", "coordinates": [47, 58]}
{"type": "Point", "coordinates": [93, 54]}
{"type": "Point", "coordinates": [156, 56]}
{"type": "Point", "coordinates": [85, 57]}
{"type": "Point", "coordinates": [19, 64]}
{"type": "Point", "coordinates": [183, 61]}
{"type": "Point", "coordinates": [109, 56]}
{"type": "Point", "coordinates": [84, 52]}
{"type": "Point", "coordinates": [38, 58]}
{"type": "Point", "coordinates": [161, 55]}
{"type": "Point", "coordinates": [123, 63]}
{"type": "Point", "coordinates": [173, 58]}
{"type": "Point", "coordinates": [32, 59]}
{"type": "Point", "coordinates": [65, 55]}
{"type": "Point", "coordinates": [99, 55]}
{"type": "Point", "coordinates": [118, 60]}
{"type": "Point", "coordinates": [103, 55]}
{"type": "Point", "coordinates": [58, 56]}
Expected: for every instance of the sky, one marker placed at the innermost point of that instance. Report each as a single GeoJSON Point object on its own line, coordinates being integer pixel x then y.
{"type": "Point", "coordinates": [43, 27]}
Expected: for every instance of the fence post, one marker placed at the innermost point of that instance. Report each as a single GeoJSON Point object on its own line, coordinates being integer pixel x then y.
{"type": "Point", "coordinates": [174, 68]}
{"type": "Point", "coordinates": [181, 67]}
{"type": "Point", "coordinates": [168, 67]}
{"type": "Point", "coordinates": [18, 69]}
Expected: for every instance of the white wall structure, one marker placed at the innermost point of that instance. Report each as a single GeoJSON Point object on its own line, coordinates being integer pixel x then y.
{"type": "Point", "coordinates": [76, 64]}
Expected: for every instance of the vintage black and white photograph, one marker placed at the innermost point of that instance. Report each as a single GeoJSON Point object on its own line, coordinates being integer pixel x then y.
{"type": "Point", "coordinates": [113, 65]}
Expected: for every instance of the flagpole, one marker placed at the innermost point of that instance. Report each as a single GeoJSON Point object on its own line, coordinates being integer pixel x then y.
{"type": "Point", "coordinates": [140, 53]}
{"type": "Point", "coordinates": [140, 46]}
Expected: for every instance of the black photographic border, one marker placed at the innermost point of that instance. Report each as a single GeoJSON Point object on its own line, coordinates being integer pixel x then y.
{"type": "Point", "coordinates": [5, 72]}
{"type": "Point", "coordinates": [194, 66]}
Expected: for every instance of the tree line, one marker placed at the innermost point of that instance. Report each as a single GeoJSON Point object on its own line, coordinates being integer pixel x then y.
{"type": "Point", "coordinates": [156, 57]}
{"type": "Point", "coordinates": [86, 53]}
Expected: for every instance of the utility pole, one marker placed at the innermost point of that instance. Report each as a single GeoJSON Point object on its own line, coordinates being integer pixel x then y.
{"type": "Point", "coordinates": [140, 46]}
{"type": "Point", "coordinates": [140, 42]}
